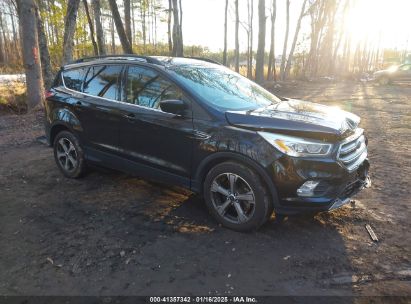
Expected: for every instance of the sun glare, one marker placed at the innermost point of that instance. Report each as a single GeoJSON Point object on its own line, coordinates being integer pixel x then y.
{"type": "Point", "coordinates": [378, 22]}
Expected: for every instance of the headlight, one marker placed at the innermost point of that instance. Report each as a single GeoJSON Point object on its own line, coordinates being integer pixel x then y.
{"type": "Point", "coordinates": [295, 146]}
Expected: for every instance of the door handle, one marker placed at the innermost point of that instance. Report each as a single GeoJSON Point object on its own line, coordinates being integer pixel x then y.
{"type": "Point", "coordinates": [130, 116]}
{"type": "Point", "coordinates": [78, 105]}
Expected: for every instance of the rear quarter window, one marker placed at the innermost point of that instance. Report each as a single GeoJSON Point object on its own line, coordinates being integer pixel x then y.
{"type": "Point", "coordinates": [73, 79]}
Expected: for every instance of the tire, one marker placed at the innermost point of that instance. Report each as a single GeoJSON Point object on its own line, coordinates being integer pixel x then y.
{"type": "Point", "coordinates": [384, 80]}
{"type": "Point", "coordinates": [224, 187]}
{"type": "Point", "coordinates": [69, 155]}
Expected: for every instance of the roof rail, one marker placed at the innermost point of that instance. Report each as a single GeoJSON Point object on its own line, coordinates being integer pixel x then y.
{"type": "Point", "coordinates": [205, 59]}
{"type": "Point", "coordinates": [119, 56]}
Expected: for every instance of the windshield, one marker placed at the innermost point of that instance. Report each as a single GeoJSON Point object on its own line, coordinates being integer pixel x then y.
{"type": "Point", "coordinates": [223, 88]}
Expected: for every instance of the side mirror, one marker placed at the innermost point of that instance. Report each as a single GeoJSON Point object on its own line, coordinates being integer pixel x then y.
{"type": "Point", "coordinates": [173, 106]}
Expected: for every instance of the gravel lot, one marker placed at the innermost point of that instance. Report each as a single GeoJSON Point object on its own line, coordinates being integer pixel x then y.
{"type": "Point", "coordinates": [113, 234]}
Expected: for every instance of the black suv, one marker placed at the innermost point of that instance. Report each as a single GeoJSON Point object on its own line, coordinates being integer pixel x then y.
{"type": "Point", "coordinates": [197, 124]}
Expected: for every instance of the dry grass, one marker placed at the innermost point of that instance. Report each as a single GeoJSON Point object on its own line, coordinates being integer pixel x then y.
{"type": "Point", "coordinates": [13, 97]}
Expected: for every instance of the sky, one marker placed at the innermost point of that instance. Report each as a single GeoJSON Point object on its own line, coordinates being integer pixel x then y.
{"type": "Point", "coordinates": [384, 22]}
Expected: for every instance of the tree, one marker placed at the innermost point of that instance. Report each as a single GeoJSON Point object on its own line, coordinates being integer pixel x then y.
{"type": "Point", "coordinates": [318, 17]}
{"type": "Point", "coordinates": [250, 38]}
{"type": "Point", "coordinates": [297, 30]}
{"type": "Point", "coordinates": [237, 43]}
{"type": "Point", "coordinates": [44, 50]}
{"type": "Point", "coordinates": [170, 41]}
{"type": "Point", "coordinates": [69, 29]}
{"type": "Point", "coordinates": [2, 52]}
{"type": "Point", "coordinates": [91, 27]}
{"type": "Point", "coordinates": [271, 73]}
{"type": "Point", "coordinates": [120, 28]}
{"type": "Point", "coordinates": [225, 33]}
{"type": "Point", "coordinates": [99, 28]}
{"type": "Point", "coordinates": [28, 25]}
{"type": "Point", "coordinates": [127, 20]}
{"type": "Point", "coordinates": [287, 28]}
{"type": "Point", "coordinates": [259, 66]}
{"type": "Point", "coordinates": [177, 31]}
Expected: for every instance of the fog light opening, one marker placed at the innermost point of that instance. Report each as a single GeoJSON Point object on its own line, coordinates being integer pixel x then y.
{"type": "Point", "coordinates": [307, 189]}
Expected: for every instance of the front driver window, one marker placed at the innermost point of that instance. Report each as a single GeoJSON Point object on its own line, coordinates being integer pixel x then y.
{"type": "Point", "coordinates": [147, 88]}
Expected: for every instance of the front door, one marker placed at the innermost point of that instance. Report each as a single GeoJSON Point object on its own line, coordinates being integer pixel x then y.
{"type": "Point", "coordinates": [160, 141]}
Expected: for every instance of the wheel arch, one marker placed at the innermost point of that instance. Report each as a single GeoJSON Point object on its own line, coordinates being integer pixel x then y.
{"type": "Point", "coordinates": [63, 119]}
{"type": "Point", "coordinates": [217, 158]}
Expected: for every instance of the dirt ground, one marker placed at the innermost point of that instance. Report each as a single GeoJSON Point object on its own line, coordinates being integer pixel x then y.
{"type": "Point", "coordinates": [113, 234]}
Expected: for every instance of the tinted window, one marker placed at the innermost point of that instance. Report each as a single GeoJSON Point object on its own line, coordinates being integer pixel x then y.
{"type": "Point", "coordinates": [74, 78]}
{"type": "Point", "coordinates": [103, 81]}
{"type": "Point", "coordinates": [147, 88]}
{"type": "Point", "coordinates": [223, 88]}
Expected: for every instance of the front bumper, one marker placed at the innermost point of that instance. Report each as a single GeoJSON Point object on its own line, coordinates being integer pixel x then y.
{"type": "Point", "coordinates": [336, 187]}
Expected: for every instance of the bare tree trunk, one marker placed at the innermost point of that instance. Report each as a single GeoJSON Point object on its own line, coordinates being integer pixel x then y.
{"type": "Point", "coordinates": [170, 41]}
{"type": "Point", "coordinates": [91, 27]}
{"type": "Point", "coordinates": [337, 47]}
{"type": "Point", "coordinates": [225, 33]}
{"type": "Point", "coordinates": [113, 41]}
{"type": "Point", "coordinates": [297, 30]}
{"type": "Point", "coordinates": [30, 47]}
{"type": "Point", "coordinates": [318, 18]}
{"type": "Point", "coordinates": [2, 53]}
{"type": "Point", "coordinates": [180, 27]}
{"type": "Point", "coordinates": [99, 28]}
{"type": "Point", "coordinates": [259, 66]}
{"type": "Point", "coordinates": [143, 21]}
{"type": "Point", "coordinates": [287, 28]}
{"type": "Point", "coordinates": [177, 39]}
{"type": "Point", "coordinates": [44, 52]}
{"type": "Point", "coordinates": [5, 40]}
{"type": "Point", "coordinates": [127, 20]}
{"type": "Point", "coordinates": [251, 41]}
{"type": "Point", "coordinates": [69, 29]}
{"type": "Point", "coordinates": [15, 36]}
{"type": "Point", "coordinates": [271, 74]}
{"type": "Point", "coordinates": [120, 29]}
{"type": "Point", "coordinates": [133, 23]}
{"type": "Point", "coordinates": [237, 43]}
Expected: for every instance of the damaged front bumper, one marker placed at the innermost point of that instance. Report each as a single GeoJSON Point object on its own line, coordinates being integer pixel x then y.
{"type": "Point", "coordinates": [331, 193]}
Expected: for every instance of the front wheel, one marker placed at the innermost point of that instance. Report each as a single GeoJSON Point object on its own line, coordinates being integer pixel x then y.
{"type": "Point", "coordinates": [236, 197]}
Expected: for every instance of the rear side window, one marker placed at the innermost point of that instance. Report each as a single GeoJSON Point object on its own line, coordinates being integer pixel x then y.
{"type": "Point", "coordinates": [147, 88]}
{"type": "Point", "coordinates": [103, 81]}
{"type": "Point", "coordinates": [74, 78]}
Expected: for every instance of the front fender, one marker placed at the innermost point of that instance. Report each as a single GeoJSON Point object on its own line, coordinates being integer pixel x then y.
{"type": "Point", "coordinates": [218, 157]}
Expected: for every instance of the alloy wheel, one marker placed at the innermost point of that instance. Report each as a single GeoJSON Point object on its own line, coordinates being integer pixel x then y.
{"type": "Point", "coordinates": [232, 198]}
{"type": "Point", "coordinates": [67, 154]}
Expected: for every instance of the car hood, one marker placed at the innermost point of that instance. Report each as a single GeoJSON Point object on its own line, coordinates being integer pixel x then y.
{"type": "Point", "coordinates": [298, 118]}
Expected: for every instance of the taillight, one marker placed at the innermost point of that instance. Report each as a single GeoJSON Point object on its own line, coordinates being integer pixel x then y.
{"type": "Point", "coordinates": [48, 94]}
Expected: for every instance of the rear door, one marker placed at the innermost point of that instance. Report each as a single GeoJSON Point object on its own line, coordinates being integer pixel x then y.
{"type": "Point", "coordinates": [97, 107]}
{"type": "Point", "coordinates": [150, 136]}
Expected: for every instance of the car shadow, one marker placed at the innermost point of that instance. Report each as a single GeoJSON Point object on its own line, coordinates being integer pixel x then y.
{"type": "Point", "coordinates": [113, 234]}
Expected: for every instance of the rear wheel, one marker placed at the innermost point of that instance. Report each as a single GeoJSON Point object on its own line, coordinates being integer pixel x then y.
{"type": "Point", "coordinates": [236, 197]}
{"type": "Point", "coordinates": [69, 155]}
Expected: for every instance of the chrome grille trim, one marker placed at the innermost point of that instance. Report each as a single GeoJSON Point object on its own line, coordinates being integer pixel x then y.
{"type": "Point", "coordinates": [353, 150]}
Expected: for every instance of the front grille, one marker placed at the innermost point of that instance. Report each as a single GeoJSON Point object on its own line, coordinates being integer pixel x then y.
{"type": "Point", "coordinates": [353, 151]}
